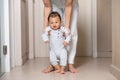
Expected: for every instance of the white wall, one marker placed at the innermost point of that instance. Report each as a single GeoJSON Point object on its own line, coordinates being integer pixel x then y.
{"type": "Point", "coordinates": [84, 47]}
{"type": "Point", "coordinates": [41, 49]}
{"type": "Point", "coordinates": [115, 67]}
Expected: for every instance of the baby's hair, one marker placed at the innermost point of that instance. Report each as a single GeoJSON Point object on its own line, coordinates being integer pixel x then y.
{"type": "Point", "coordinates": [54, 14]}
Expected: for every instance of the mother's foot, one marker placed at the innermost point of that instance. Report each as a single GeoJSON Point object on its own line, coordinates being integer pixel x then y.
{"type": "Point", "coordinates": [48, 69]}
{"type": "Point", "coordinates": [72, 69]}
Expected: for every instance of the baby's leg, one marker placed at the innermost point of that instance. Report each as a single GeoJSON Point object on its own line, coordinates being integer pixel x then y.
{"type": "Point", "coordinates": [63, 60]}
{"type": "Point", "coordinates": [54, 61]}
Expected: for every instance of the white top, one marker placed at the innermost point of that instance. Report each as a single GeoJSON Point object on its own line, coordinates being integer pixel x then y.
{"type": "Point", "coordinates": [56, 38]}
{"type": "Point", "coordinates": [57, 35]}
{"type": "Point", "coordinates": [61, 3]}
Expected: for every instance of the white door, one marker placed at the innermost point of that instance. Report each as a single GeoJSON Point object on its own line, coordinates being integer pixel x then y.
{"type": "Point", "coordinates": [4, 35]}
{"type": "Point", "coordinates": [2, 58]}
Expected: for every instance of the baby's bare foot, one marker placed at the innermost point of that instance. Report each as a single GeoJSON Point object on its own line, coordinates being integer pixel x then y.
{"type": "Point", "coordinates": [57, 71]}
{"type": "Point", "coordinates": [57, 68]}
{"type": "Point", "coordinates": [62, 70]}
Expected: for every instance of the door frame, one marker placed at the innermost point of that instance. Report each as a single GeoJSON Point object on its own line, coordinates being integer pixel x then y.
{"type": "Point", "coordinates": [94, 28]}
{"type": "Point", "coordinates": [12, 33]}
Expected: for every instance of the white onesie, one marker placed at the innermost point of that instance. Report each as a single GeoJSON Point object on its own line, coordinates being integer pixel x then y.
{"type": "Point", "coordinates": [58, 51]}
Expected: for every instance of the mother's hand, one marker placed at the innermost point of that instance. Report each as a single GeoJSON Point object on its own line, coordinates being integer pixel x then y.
{"type": "Point", "coordinates": [68, 30]}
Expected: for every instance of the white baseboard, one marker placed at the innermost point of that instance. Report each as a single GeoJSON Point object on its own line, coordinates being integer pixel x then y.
{"type": "Point", "coordinates": [105, 54]}
{"type": "Point", "coordinates": [115, 71]}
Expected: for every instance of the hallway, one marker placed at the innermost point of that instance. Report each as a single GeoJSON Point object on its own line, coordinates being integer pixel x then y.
{"type": "Point", "coordinates": [21, 23]}
{"type": "Point", "coordinates": [89, 69]}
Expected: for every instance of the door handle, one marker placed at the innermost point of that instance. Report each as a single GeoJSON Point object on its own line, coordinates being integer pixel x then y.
{"type": "Point", "coordinates": [5, 49]}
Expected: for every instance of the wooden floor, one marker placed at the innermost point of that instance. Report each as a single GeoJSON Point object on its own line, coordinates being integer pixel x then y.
{"type": "Point", "coordinates": [89, 69]}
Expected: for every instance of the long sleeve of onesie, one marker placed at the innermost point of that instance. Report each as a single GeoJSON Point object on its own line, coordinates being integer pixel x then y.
{"type": "Point", "coordinates": [67, 35]}
{"type": "Point", "coordinates": [45, 35]}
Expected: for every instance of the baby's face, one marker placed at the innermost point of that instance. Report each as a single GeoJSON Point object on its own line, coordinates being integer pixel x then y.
{"type": "Point", "coordinates": [54, 23]}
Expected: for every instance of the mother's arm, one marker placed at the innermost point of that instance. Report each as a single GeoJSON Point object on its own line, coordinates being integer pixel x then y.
{"type": "Point", "coordinates": [68, 13]}
{"type": "Point", "coordinates": [47, 10]}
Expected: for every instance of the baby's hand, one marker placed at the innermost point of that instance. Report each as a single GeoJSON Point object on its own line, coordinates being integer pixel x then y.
{"type": "Point", "coordinates": [47, 41]}
{"type": "Point", "coordinates": [65, 43]}
{"type": "Point", "coordinates": [49, 33]}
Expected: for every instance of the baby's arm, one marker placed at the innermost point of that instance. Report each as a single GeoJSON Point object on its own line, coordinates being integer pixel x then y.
{"type": "Point", "coordinates": [67, 38]}
{"type": "Point", "coordinates": [45, 35]}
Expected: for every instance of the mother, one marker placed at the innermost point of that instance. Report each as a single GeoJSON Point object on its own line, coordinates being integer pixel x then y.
{"type": "Point", "coordinates": [68, 9]}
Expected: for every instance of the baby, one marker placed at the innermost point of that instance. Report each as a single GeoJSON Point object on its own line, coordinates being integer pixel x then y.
{"type": "Point", "coordinates": [59, 38]}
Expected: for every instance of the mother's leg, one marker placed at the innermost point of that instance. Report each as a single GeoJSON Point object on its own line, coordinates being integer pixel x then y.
{"type": "Point", "coordinates": [73, 43]}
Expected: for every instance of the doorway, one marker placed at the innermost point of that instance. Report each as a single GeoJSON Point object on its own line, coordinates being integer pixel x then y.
{"type": "Point", "coordinates": [104, 28]}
